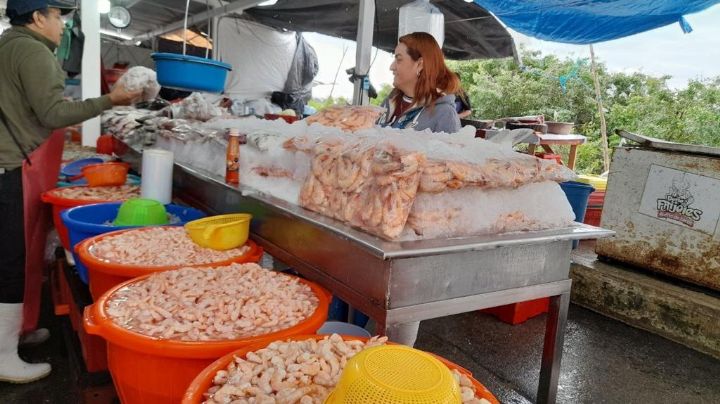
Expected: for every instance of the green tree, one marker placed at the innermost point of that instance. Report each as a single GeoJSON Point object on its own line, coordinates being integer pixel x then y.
{"type": "Point", "coordinates": [382, 94]}
{"type": "Point", "coordinates": [563, 90]}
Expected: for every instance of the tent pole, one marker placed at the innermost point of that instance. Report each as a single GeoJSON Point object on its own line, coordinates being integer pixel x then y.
{"type": "Point", "coordinates": [601, 111]}
{"type": "Point", "coordinates": [363, 51]}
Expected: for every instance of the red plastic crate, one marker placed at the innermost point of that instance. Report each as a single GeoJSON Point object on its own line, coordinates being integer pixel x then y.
{"type": "Point", "coordinates": [59, 291]}
{"type": "Point", "coordinates": [592, 216]}
{"type": "Point", "coordinates": [94, 348]}
{"type": "Point", "coordinates": [550, 156]}
{"type": "Point", "coordinates": [517, 313]}
{"type": "Point", "coordinates": [596, 199]}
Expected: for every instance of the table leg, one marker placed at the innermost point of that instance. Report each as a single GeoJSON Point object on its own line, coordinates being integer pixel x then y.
{"type": "Point", "coordinates": [548, 149]}
{"type": "Point", "coordinates": [572, 156]}
{"type": "Point", "coordinates": [552, 349]}
{"type": "Point", "coordinates": [531, 149]}
{"type": "Point", "coordinates": [405, 333]}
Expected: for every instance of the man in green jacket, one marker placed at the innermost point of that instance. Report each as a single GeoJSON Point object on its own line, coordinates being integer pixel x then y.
{"type": "Point", "coordinates": [31, 106]}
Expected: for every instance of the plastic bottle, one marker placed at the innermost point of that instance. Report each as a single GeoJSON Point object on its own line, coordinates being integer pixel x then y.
{"type": "Point", "coordinates": [232, 167]}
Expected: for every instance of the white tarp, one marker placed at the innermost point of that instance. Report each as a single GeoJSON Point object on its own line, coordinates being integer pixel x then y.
{"type": "Point", "coordinates": [113, 52]}
{"type": "Point", "coordinates": [260, 56]}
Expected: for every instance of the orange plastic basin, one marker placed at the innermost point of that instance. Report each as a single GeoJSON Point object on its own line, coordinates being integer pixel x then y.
{"type": "Point", "coordinates": [203, 381]}
{"type": "Point", "coordinates": [58, 205]}
{"type": "Point", "coordinates": [151, 370]}
{"type": "Point", "coordinates": [104, 275]}
{"type": "Point", "coordinates": [106, 174]}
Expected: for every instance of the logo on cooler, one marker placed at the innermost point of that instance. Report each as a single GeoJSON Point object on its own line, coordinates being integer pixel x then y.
{"type": "Point", "coordinates": [677, 204]}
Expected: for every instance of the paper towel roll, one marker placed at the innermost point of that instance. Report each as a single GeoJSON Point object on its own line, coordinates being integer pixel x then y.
{"type": "Point", "coordinates": [157, 168]}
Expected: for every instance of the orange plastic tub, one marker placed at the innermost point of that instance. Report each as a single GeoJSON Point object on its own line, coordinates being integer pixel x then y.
{"type": "Point", "coordinates": [203, 381]}
{"type": "Point", "coordinates": [58, 205]}
{"type": "Point", "coordinates": [106, 174]}
{"type": "Point", "coordinates": [104, 275]}
{"type": "Point", "coordinates": [151, 370]}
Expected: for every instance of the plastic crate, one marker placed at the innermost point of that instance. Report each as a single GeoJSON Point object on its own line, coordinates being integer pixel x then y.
{"type": "Point", "coordinates": [518, 313]}
{"type": "Point", "coordinates": [59, 290]}
{"type": "Point", "coordinates": [592, 216]}
{"type": "Point", "coordinates": [93, 348]}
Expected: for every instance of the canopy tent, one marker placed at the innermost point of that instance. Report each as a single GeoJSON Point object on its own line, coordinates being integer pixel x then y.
{"type": "Point", "coordinates": [591, 21]}
{"type": "Point", "coordinates": [470, 31]}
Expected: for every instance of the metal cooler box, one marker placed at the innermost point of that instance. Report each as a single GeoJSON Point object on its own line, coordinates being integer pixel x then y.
{"type": "Point", "coordinates": [663, 200]}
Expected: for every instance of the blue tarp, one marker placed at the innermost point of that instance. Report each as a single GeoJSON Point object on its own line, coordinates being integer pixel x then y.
{"type": "Point", "coordinates": [591, 21]}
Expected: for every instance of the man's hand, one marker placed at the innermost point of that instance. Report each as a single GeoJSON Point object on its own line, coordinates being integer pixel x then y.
{"type": "Point", "coordinates": [121, 96]}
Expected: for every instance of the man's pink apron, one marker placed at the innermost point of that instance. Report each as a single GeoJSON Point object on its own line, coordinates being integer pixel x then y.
{"type": "Point", "coordinates": [37, 178]}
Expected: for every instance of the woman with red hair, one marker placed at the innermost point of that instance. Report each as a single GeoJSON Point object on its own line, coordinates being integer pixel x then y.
{"type": "Point", "coordinates": [424, 88]}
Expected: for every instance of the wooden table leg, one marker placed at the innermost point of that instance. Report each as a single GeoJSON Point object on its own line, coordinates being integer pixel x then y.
{"type": "Point", "coordinates": [572, 156]}
{"type": "Point", "coordinates": [548, 149]}
{"type": "Point", "coordinates": [531, 149]}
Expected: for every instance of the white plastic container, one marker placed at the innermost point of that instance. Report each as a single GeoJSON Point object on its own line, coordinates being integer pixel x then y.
{"type": "Point", "coordinates": [157, 169]}
{"type": "Point", "coordinates": [421, 16]}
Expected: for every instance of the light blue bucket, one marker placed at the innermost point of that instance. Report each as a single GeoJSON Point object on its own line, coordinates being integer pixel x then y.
{"type": "Point", "coordinates": [190, 73]}
{"type": "Point", "coordinates": [338, 327]}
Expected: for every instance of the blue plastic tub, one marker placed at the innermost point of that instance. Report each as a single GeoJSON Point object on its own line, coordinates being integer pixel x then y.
{"type": "Point", "coordinates": [577, 194]}
{"type": "Point", "coordinates": [190, 73]}
{"type": "Point", "coordinates": [74, 168]}
{"type": "Point", "coordinates": [91, 220]}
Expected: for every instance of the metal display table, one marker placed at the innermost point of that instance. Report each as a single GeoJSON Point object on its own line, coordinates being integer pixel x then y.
{"type": "Point", "coordinates": [400, 283]}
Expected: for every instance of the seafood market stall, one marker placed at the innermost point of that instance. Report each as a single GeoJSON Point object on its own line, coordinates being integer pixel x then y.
{"type": "Point", "coordinates": [399, 283]}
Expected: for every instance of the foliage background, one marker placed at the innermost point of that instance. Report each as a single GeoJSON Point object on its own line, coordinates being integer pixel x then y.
{"type": "Point", "coordinates": [562, 90]}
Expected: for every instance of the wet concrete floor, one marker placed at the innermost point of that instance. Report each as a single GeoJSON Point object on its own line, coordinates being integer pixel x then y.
{"type": "Point", "coordinates": [604, 361]}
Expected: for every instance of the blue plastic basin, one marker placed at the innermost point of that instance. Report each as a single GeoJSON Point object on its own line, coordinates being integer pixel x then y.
{"type": "Point", "coordinates": [91, 220]}
{"type": "Point", "coordinates": [577, 194]}
{"type": "Point", "coordinates": [190, 73]}
{"type": "Point", "coordinates": [74, 168]}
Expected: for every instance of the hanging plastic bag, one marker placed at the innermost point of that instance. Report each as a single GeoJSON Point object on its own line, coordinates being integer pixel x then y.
{"type": "Point", "coordinates": [138, 78]}
{"type": "Point", "coordinates": [421, 16]}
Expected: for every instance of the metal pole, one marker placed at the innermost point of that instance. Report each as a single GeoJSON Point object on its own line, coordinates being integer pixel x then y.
{"type": "Point", "coordinates": [601, 111]}
{"type": "Point", "coordinates": [90, 82]}
{"type": "Point", "coordinates": [363, 51]}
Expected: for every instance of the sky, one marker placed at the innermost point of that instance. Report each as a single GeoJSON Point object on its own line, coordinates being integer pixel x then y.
{"type": "Point", "coordinates": [663, 51]}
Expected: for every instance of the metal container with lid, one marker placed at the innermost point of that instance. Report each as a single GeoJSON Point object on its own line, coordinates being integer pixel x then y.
{"type": "Point", "coordinates": [663, 202]}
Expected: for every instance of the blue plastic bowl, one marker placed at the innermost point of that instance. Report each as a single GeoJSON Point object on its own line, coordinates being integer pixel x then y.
{"type": "Point", "coordinates": [577, 194]}
{"type": "Point", "coordinates": [190, 73]}
{"type": "Point", "coordinates": [91, 220]}
{"type": "Point", "coordinates": [75, 168]}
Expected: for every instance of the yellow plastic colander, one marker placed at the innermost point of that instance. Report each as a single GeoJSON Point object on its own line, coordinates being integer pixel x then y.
{"type": "Point", "coordinates": [597, 182]}
{"type": "Point", "coordinates": [221, 232]}
{"type": "Point", "coordinates": [395, 374]}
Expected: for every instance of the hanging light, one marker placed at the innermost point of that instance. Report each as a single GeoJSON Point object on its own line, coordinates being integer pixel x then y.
{"type": "Point", "coordinates": [104, 6]}
{"type": "Point", "coordinates": [267, 3]}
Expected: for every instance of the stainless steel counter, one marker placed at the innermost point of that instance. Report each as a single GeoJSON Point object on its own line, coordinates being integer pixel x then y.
{"type": "Point", "coordinates": [400, 283]}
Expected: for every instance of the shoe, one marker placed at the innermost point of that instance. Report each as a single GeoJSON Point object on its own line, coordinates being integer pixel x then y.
{"type": "Point", "coordinates": [12, 368]}
{"type": "Point", "coordinates": [33, 338]}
